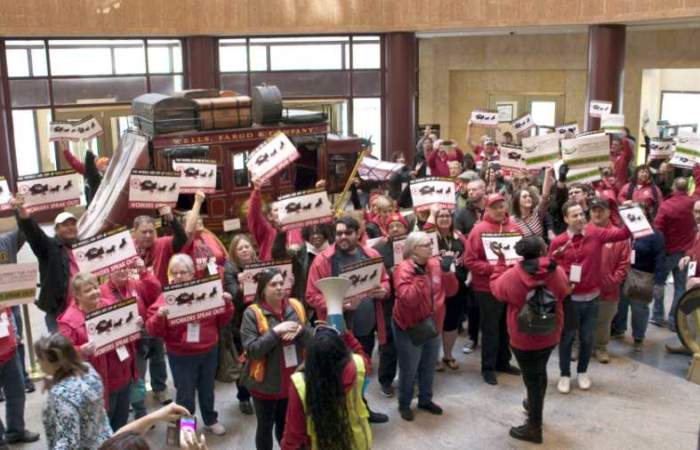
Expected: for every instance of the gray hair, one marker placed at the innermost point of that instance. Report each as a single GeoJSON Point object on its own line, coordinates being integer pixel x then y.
{"type": "Point", "coordinates": [140, 220]}
{"type": "Point", "coordinates": [82, 278]}
{"type": "Point", "coordinates": [413, 240]}
{"type": "Point", "coordinates": [183, 259]}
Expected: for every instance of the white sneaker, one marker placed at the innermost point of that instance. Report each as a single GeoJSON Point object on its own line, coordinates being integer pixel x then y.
{"type": "Point", "coordinates": [584, 381]}
{"type": "Point", "coordinates": [163, 397]}
{"type": "Point", "coordinates": [564, 385]}
{"type": "Point", "coordinates": [217, 429]}
{"type": "Point", "coordinates": [468, 347]}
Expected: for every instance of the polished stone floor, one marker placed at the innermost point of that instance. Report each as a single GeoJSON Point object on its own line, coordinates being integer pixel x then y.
{"type": "Point", "coordinates": [638, 401]}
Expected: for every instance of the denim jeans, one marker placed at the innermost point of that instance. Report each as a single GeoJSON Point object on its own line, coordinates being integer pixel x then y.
{"type": "Point", "coordinates": [640, 317]}
{"type": "Point", "coordinates": [51, 323]}
{"type": "Point", "coordinates": [12, 382]}
{"type": "Point", "coordinates": [415, 360]}
{"type": "Point", "coordinates": [679, 280]}
{"type": "Point", "coordinates": [533, 364]}
{"type": "Point", "coordinates": [19, 327]}
{"type": "Point", "coordinates": [118, 411]}
{"type": "Point", "coordinates": [195, 373]}
{"type": "Point", "coordinates": [585, 316]}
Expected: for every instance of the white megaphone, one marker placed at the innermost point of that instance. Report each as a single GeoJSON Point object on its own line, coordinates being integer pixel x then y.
{"type": "Point", "coordinates": [333, 290]}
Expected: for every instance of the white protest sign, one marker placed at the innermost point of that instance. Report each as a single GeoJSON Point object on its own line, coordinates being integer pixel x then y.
{"type": "Point", "coordinates": [511, 157]}
{"type": "Point", "coordinates": [687, 152]}
{"type": "Point", "coordinates": [113, 326]}
{"type": "Point", "coordinates": [364, 276]}
{"type": "Point", "coordinates": [149, 189]}
{"type": "Point", "coordinates": [197, 175]}
{"type": "Point", "coordinates": [75, 130]}
{"type": "Point", "coordinates": [106, 253]}
{"type": "Point", "coordinates": [271, 157]}
{"type": "Point", "coordinates": [541, 151]}
{"type": "Point", "coordinates": [505, 241]}
{"type": "Point", "coordinates": [50, 190]}
{"type": "Point", "coordinates": [5, 195]}
{"type": "Point", "coordinates": [612, 123]}
{"type": "Point", "coordinates": [426, 192]}
{"type": "Point", "coordinates": [567, 130]}
{"type": "Point", "coordinates": [523, 124]}
{"type": "Point", "coordinates": [251, 270]}
{"type": "Point", "coordinates": [584, 176]}
{"type": "Point", "coordinates": [661, 148]}
{"type": "Point", "coordinates": [18, 283]}
{"type": "Point", "coordinates": [194, 300]}
{"type": "Point", "coordinates": [598, 108]}
{"type": "Point", "coordinates": [377, 170]}
{"type": "Point", "coordinates": [304, 208]}
{"type": "Point", "coordinates": [586, 150]}
{"type": "Point", "coordinates": [636, 221]}
{"type": "Point", "coordinates": [485, 118]}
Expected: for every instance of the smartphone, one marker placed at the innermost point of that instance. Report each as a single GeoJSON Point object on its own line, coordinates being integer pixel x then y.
{"type": "Point", "coordinates": [176, 430]}
{"type": "Point", "coordinates": [188, 424]}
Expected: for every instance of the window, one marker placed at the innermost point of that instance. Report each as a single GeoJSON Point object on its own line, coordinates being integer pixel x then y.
{"type": "Point", "coordinates": [544, 114]}
{"type": "Point", "coordinates": [679, 108]}
{"type": "Point", "coordinates": [367, 122]}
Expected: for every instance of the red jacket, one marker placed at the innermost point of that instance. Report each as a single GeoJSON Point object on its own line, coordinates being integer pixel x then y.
{"type": "Point", "coordinates": [262, 230]}
{"type": "Point", "coordinates": [296, 436]}
{"type": "Point", "coordinates": [675, 218]}
{"type": "Point", "coordinates": [585, 250]}
{"type": "Point", "coordinates": [115, 374]}
{"type": "Point", "coordinates": [438, 159]}
{"type": "Point", "coordinates": [146, 290]}
{"type": "Point", "coordinates": [202, 246]}
{"type": "Point", "coordinates": [475, 255]}
{"type": "Point", "coordinates": [158, 256]}
{"type": "Point", "coordinates": [321, 268]}
{"type": "Point", "coordinates": [74, 162]}
{"type": "Point", "coordinates": [8, 344]}
{"type": "Point", "coordinates": [412, 294]}
{"type": "Point", "coordinates": [511, 286]}
{"type": "Point", "coordinates": [621, 161]}
{"type": "Point", "coordinates": [614, 265]}
{"type": "Point", "coordinates": [175, 336]}
{"type": "Point", "coordinates": [642, 194]}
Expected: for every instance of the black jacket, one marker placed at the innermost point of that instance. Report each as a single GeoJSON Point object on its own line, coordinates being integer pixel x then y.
{"type": "Point", "coordinates": [466, 218]}
{"type": "Point", "coordinates": [54, 266]}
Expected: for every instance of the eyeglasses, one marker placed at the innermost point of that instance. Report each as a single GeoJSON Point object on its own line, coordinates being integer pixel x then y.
{"type": "Point", "coordinates": [344, 233]}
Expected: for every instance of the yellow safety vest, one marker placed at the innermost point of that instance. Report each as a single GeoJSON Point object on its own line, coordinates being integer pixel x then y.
{"type": "Point", "coordinates": [357, 410]}
{"type": "Point", "coordinates": [257, 366]}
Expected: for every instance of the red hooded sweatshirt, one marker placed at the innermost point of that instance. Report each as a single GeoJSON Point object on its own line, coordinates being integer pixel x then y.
{"type": "Point", "coordinates": [418, 293]}
{"type": "Point", "coordinates": [475, 255]}
{"type": "Point", "coordinates": [262, 230]}
{"type": "Point", "coordinates": [511, 286]}
{"type": "Point", "coordinates": [115, 374]}
{"type": "Point", "coordinates": [175, 336]}
{"type": "Point", "coordinates": [8, 344]}
{"type": "Point", "coordinates": [147, 289]}
{"type": "Point", "coordinates": [321, 267]}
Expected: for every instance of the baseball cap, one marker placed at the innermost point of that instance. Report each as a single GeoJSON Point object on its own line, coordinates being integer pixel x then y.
{"type": "Point", "coordinates": [600, 203]}
{"type": "Point", "coordinates": [63, 217]}
{"type": "Point", "coordinates": [494, 198]}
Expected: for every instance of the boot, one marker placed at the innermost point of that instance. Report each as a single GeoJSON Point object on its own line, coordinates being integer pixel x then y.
{"type": "Point", "coordinates": [527, 432]}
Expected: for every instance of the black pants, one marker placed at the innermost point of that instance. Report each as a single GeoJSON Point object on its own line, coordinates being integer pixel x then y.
{"type": "Point", "coordinates": [388, 359]}
{"type": "Point", "coordinates": [533, 364]}
{"type": "Point", "coordinates": [269, 413]}
{"type": "Point", "coordinates": [495, 353]}
{"type": "Point", "coordinates": [472, 312]}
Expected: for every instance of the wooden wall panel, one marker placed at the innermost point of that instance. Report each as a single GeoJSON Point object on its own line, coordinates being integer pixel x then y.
{"type": "Point", "coordinates": [245, 17]}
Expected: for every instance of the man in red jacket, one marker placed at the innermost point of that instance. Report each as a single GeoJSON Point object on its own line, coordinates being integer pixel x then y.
{"type": "Point", "coordinates": [578, 251]}
{"type": "Point", "coordinates": [675, 221]}
{"type": "Point", "coordinates": [12, 382]}
{"type": "Point", "coordinates": [495, 354]}
{"type": "Point", "coordinates": [621, 153]}
{"type": "Point", "coordinates": [615, 263]}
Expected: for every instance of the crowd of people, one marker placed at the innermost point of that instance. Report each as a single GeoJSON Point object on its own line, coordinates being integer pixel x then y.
{"type": "Point", "coordinates": [578, 273]}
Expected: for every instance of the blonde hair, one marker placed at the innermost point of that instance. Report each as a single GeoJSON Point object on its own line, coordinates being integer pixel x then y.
{"type": "Point", "coordinates": [233, 253]}
{"type": "Point", "coordinates": [83, 278]}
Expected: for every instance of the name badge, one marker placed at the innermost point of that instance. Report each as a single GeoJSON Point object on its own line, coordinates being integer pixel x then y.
{"type": "Point", "coordinates": [122, 353]}
{"type": "Point", "coordinates": [692, 268]}
{"type": "Point", "coordinates": [193, 332]}
{"type": "Point", "coordinates": [4, 325]}
{"type": "Point", "coordinates": [633, 256]}
{"type": "Point", "coordinates": [290, 356]}
{"type": "Point", "coordinates": [211, 267]}
{"type": "Point", "coordinates": [575, 273]}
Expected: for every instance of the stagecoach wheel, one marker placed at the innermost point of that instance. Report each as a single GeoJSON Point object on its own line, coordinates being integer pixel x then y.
{"type": "Point", "coordinates": [92, 329]}
{"type": "Point", "coordinates": [688, 320]}
{"type": "Point", "coordinates": [170, 300]}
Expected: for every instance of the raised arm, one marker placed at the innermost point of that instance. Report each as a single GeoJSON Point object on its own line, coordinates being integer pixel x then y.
{"type": "Point", "coordinates": [258, 224]}
{"type": "Point", "coordinates": [31, 231]}
{"type": "Point", "coordinates": [193, 215]}
{"type": "Point", "coordinates": [72, 160]}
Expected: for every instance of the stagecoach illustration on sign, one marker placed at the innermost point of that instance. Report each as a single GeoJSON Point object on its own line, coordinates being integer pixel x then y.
{"type": "Point", "coordinates": [189, 298]}
{"type": "Point", "coordinates": [106, 326]}
{"type": "Point", "coordinates": [296, 207]}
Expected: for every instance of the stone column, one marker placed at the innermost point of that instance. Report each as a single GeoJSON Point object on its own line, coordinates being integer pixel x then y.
{"type": "Point", "coordinates": [606, 61]}
{"type": "Point", "coordinates": [201, 62]}
{"type": "Point", "coordinates": [400, 93]}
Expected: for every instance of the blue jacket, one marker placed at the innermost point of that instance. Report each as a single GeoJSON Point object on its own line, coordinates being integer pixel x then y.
{"type": "Point", "coordinates": [650, 256]}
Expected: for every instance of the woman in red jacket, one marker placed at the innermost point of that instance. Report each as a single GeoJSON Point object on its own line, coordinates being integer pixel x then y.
{"type": "Point", "coordinates": [205, 249]}
{"type": "Point", "coordinates": [192, 347]}
{"type": "Point", "coordinates": [117, 368]}
{"type": "Point", "coordinates": [419, 295]}
{"type": "Point", "coordinates": [514, 287]}
{"type": "Point", "coordinates": [642, 189]}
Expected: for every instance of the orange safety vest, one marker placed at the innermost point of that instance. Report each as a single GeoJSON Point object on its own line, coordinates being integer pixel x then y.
{"type": "Point", "coordinates": [257, 366]}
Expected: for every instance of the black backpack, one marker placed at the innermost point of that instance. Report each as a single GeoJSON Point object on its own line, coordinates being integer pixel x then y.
{"type": "Point", "coordinates": [539, 314]}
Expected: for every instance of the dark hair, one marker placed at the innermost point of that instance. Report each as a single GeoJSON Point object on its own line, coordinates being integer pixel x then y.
{"type": "Point", "coordinates": [130, 440]}
{"type": "Point", "coordinates": [516, 200]}
{"type": "Point", "coordinates": [531, 247]}
{"type": "Point", "coordinates": [396, 155]}
{"type": "Point", "coordinates": [326, 357]}
{"type": "Point", "coordinates": [57, 349]}
{"type": "Point", "coordinates": [263, 278]}
{"type": "Point", "coordinates": [567, 206]}
{"type": "Point", "coordinates": [322, 229]}
{"type": "Point", "coordinates": [349, 222]}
